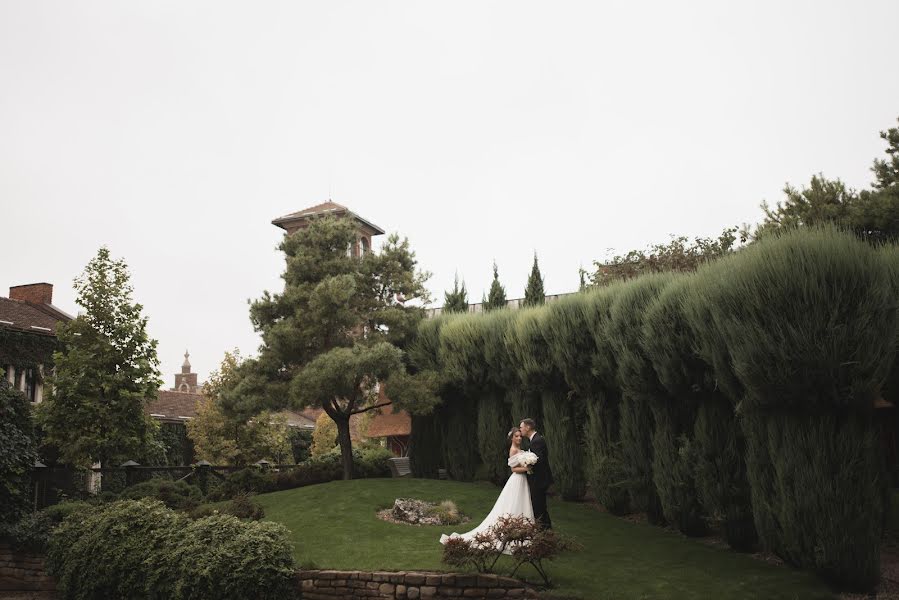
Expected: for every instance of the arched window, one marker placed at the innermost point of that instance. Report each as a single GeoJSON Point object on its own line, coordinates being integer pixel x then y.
{"type": "Point", "coordinates": [366, 245]}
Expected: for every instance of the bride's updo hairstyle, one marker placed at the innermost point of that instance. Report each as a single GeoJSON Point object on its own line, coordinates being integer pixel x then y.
{"type": "Point", "coordinates": [511, 435]}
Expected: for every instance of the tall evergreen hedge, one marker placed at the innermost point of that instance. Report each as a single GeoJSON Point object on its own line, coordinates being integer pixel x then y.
{"type": "Point", "coordinates": [608, 474]}
{"type": "Point", "coordinates": [531, 357]}
{"type": "Point", "coordinates": [805, 315]}
{"type": "Point", "coordinates": [640, 389]}
{"type": "Point", "coordinates": [719, 446]}
{"type": "Point", "coordinates": [667, 342]}
{"type": "Point", "coordinates": [426, 445]}
{"type": "Point", "coordinates": [426, 440]}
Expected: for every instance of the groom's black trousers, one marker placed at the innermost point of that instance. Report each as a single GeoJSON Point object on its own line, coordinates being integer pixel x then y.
{"type": "Point", "coordinates": [538, 501]}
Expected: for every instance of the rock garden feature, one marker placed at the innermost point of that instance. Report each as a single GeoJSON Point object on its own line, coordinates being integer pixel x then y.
{"type": "Point", "coordinates": [418, 512]}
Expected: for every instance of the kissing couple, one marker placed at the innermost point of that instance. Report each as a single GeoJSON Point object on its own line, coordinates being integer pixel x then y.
{"type": "Point", "coordinates": [524, 494]}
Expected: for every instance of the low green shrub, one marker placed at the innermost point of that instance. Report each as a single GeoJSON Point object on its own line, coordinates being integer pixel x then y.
{"type": "Point", "coordinates": [374, 462]}
{"type": "Point", "coordinates": [174, 494]}
{"type": "Point", "coordinates": [141, 548]}
{"type": "Point", "coordinates": [243, 506]}
{"type": "Point", "coordinates": [250, 480]}
{"type": "Point", "coordinates": [32, 532]}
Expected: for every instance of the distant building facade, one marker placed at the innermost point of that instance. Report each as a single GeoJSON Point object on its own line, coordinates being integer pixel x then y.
{"type": "Point", "coordinates": [28, 323]}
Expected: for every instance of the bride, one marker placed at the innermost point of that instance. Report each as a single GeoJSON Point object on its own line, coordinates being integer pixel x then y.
{"type": "Point", "coordinates": [514, 500]}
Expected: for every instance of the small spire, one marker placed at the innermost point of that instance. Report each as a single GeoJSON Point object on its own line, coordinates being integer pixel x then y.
{"type": "Point", "coordinates": [186, 360]}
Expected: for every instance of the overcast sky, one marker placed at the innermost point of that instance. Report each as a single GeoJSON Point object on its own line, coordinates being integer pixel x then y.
{"type": "Point", "coordinates": [174, 132]}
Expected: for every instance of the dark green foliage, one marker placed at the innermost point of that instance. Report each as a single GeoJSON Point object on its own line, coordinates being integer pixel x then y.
{"type": "Point", "coordinates": [17, 452]}
{"type": "Point", "coordinates": [562, 428]}
{"type": "Point", "coordinates": [105, 374]}
{"type": "Point", "coordinates": [25, 350]}
{"type": "Point", "coordinates": [496, 298]}
{"type": "Point", "coordinates": [667, 341]}
{"type": "Point", "coordinates": [526, 404]}
{"type": "Point", "coordinates": [816, 493]}
{"type": "Point", "coordinates": [541, 379]}
{"type": "Point", "coordinates": [607, 470]}
{"type": "Point", "coordinates": [456, 301]}
{"type": "Point", "coordinates": [143, 549]}
{"type": "Point", "coordinates": [32, 532]}
{"type": "Point", "coordinates": [243, 506]}
{"type": "Point", "coordinates": [494, 423]}
{"type": "Point", "coordinates": [374, 462]}
{"type": "Point", "coordinates": [340, 325]}
{"type": "Point", "coordinates": [721, 480]}
{"type": "Point", "coordinates": [460, 436]}
{"type": "Point", "coordinates": [534, 295]}
{"type": "Point", "coordinates": [174, 494]}
{"type": "Point", "coordinates": [426, 445]}
{"type": "Point", "coordinates": [177, 447]}
{"type": "Point", "coordinates": [300, 444]}
{"type": "Point", "coordinates": [223, 557]}
{"type": "Point", "coordinates": [249, 480]}
{"type": "Point", "coordinates": [640, 388]}
{"type": "Point", "coordinates": [680, 255]}
{"type": "Point", "coordinates": [886, 172]}
{"type": "Point", "coordinates": [816, 303]}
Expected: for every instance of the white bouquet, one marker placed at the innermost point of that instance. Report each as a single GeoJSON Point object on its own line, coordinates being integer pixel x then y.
{"type": "Point", "coordinates": [528, 459]}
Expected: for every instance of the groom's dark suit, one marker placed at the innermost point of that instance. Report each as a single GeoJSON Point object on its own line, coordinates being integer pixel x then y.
{"type": "Point", "coordinates": [540, 480]}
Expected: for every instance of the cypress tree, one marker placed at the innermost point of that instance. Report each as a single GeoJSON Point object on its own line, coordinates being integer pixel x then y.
{"type": "Point", "coordinates": [456, 301]}
{"type": "Point", "coordinates": [810, 319]}
{"type": "Point", "coordinates": [533, 293]}
{"type": "Point", "coordinates": [496, 298]}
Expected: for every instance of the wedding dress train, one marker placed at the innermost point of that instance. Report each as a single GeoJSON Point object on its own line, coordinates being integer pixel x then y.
{"type": "Point", "coordinates": [514, 500]}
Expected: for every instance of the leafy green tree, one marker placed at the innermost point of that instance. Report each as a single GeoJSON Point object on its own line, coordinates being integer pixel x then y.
{"type": "Point", "coordinates": [887, 171]}
{"type": "Point", "coordinates": [17, 452]}
{"type": "Point", "coordinates": [496, 298]}
{"type": "Point", "coordinates": [337, 331]}
{"type": "Point", "coordinates": [680, 255]}
{"type": "Point", "coordinates": [873, 214]}
{"type": "Point", "coordinates": [823, 201]}
{"type": "Point", "coordinates": [105, 375]}
{"type": "Point", "coordinates": [533, 293]}
{"type": "Point", "coordinates": [456, 300]}
{"type": "Point", "coordinates": [233, 438]}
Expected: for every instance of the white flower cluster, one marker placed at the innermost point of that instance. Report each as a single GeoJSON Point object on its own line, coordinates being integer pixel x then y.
{"type": "Point", "coordinates": [527, 458]}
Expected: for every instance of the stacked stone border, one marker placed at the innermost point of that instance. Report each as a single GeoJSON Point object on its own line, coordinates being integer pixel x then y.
{"type": "Point", "coordinates": [403, 585]}
{"type": "Point", "coordinates": [23, 572]}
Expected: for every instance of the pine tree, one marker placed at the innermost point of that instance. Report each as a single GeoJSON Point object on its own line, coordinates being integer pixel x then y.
{"type": "Point", "coordinates": [496, 298]}
{"type": "Point", "coordinates": [533, 293]}
{"type": "Point", "coordinates": [338, 329]}
{"type": "Point", "coordinates": [456, 300]}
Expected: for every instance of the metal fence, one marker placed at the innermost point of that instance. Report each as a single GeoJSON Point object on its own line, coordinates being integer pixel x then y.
{"type": "Point", "coordinates": [51, 485]}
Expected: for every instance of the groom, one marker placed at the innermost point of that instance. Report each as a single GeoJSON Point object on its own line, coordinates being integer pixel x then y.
{"type": "Point", "coordinates": [542, 476]}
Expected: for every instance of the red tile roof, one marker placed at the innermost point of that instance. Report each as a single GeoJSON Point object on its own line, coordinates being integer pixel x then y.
{"type": "Point", "coordinates": [27, 316]}
{"type": "Point", "coordinates": [390, 423]}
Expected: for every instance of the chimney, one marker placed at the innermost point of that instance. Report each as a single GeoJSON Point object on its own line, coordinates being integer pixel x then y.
{"type": "Point", "coordinates": [36, 293]}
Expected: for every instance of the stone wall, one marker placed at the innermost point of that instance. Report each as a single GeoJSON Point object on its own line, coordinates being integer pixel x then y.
{"type": "Point", "coordinates": [22, 572]}
{"type": "Point", "coordinates": [327, 585]}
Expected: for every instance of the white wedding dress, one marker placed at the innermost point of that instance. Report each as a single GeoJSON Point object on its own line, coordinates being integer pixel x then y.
{"type": "Point", "coordinates": [514, 500]}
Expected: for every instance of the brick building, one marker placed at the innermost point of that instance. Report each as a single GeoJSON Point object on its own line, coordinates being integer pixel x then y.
{"type": "Point", "coordinates": [28, 322]}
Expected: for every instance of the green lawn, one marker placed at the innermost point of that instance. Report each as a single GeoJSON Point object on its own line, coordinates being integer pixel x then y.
{"type": "Point", "coordinates": [334, 526]}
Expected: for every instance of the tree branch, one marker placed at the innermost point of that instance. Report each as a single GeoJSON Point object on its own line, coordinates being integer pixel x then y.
{"type": "Point", "coordinates": [362, 410]}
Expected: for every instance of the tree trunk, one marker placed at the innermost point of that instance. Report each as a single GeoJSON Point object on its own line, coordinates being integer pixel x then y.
{"type": "Point", "coordinates": [346, 445]}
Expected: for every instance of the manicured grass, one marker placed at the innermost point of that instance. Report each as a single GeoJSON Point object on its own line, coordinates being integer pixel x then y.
{"type": "Point", "coordinates": [334, 526]}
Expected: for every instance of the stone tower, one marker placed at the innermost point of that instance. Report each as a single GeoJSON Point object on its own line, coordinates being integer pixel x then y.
{"type": "Point", "coordinates": [185, 381]}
